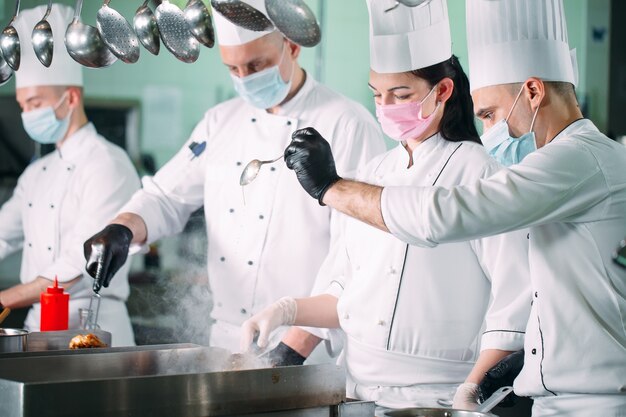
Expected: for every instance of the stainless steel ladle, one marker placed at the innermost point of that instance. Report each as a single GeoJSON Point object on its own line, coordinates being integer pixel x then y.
{"type": "Point", "coordinates": [84, 44]}
{"type": "Point", "coordinates": [242, 14]}
{"type": "Point", "coordinates": [5, 71]}
{"type": "Point", "coordinates": [295, 20]}
{"type": "Point", "coordinates": [117, 34]}
{"type": "Point", "coordinates": [10, 42]}
{"type": "Point", "coordinates": [408, 3]}
{"type": "Point", "coordinates": [146, 28]}
{"type": "Point", "coordinates": [43, 40]}
{"type": "Point", "coordinates": [175, 33]}
{"type": "Point", "coordinates": [251, 170]}
{"type": "Point", "coordinates": [199, 22]}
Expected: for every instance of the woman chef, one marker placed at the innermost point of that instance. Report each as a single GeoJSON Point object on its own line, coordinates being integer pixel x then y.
{"type": "Point", "coordinates": [66, 196]}
{"type": "Point", "coordinates": [417, 321]}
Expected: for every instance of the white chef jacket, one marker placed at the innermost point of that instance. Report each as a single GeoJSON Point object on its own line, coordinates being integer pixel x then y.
{"type": "Point", "coordinates": [572, 195]}
{"type": "Point", "coordinates": [268, 239]}
{"type": "Point", "coordinates": [60, 201]}
{"type": "Point", "coordinates": [417, 318]}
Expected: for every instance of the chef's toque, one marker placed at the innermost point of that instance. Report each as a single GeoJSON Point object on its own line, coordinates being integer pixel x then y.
{"type": "Point", "coordinates": [229, 34]}
{"type": "Point", "coordinates": [512, 40]}
{"type": "Point", "coordinates": [408, 38]}
{"type": "Point", "coordinates": [63, 70]}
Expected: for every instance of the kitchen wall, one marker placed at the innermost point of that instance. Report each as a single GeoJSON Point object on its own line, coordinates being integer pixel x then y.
{"type": "Point", "coordinates": [174, 95]}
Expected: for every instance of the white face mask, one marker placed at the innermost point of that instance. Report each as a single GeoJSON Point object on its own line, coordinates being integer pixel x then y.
{"type": "Point", "coordinates": [43, 126]}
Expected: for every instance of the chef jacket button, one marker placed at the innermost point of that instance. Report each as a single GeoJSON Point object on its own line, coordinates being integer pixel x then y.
{"type": "Point", "coordinates": [244, 311]}
{"type": "Point", "coordinates": [49, 248]}
{"type": "Point", "coordinates": [528, 236]}
{"type": "Point", "coordinates": [69, 168]}
{"type": "Point", "coordinates": [346, 316]}
{"type": "Point", "coordinates": [536, 294]}
{"type": "Point", "coordinates": [381, 322]}
{"type": "Point", "coordinates": [392, 270]}
{"type": "Point", "coordinates": [358, 268]}
{"type": "Point", "coordinates": [51, 205]}
{"type": "Point", "coordinates": [238, 163]}
{"type": "Point", "coordinates": [273, 169]}
{"type": "Point", "coordinates": [250, 263]}
{"type": "Point", "coordinates": [219, 304]}
{"type": "Point", "coordinates": [232, 210]}
{"type": "Point", "coordinates": [534, 351]}
{"type": "Point", "coordinates": [288, 122]}
{"type": "Point", "coordinates": [30, 245]}
{"type": "Point", "coordinates": [222, 259]}
{"type": "Point", "coordinates": [44, 168]}
{"type": "Point", "coordinates": [261, 217]}
{"type": "Point", "coordinates": [30, 204]}
{"type": "Point", "coordinates": [253, 120]}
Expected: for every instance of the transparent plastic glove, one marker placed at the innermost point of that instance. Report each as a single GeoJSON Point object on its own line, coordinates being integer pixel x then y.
{"type": "Point", "coordinates": [466, 397]}
{"type": "Point", "coordinates": [280, 313]}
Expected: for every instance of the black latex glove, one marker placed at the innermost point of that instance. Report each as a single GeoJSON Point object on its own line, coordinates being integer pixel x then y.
{"type": "Point", "coordinates": [502, 375]}
{"type": "Point", "coordinates": [309, 154]}
{"type": "Point", "coordinates": [283, 355]}
{"type": "Point", "coordinates": [106, 252]}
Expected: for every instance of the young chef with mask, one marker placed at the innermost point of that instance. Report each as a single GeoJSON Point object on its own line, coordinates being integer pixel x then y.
{"type": "Point", "coordinates": [270, 241]}
{"type": "Point", "coordinates": [417, 320]}
{"type": "Point", "coordinates": [571, 192]}
{"type": "Point", "coordinates": [66, 196]}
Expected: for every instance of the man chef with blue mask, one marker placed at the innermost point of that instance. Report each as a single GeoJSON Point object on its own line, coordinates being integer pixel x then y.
{"type": "Point", "coordinates": [267, 240]}
{"type": "Point", "coordinates": [570, 192]}
{"type": "Point", "coordinates": [66, 196]}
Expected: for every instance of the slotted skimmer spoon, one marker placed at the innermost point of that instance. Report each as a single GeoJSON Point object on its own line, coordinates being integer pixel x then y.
{"type": "Point", "coordinates": [117, 34]}
{"type": "Point", "coordinates": [10, 42]}
{"type": "Point", "coordinates": [5, 71]}
{"type": "Point", "coordinates": [242, 14]}
{"type": "Point", "coordinates": [252, 170]}
{"type": "Point", "coordinates": [84, 44]}
{"type": "Point", "coordinates": [175, 33]}
{"type": "Point", "coordinates": [43, 41]}
{"type": "Point", "coordinates": [408, 3]}
{"type": "Point", "coordinates": [146, 28]}
{"type": "Point", "coordinates": [199, 22]}
{"type": "Point", "coordinates": [295, 20]}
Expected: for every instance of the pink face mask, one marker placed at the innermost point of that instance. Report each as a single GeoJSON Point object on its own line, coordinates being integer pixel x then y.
{"type": "Point", "coordinates": [404, 121]}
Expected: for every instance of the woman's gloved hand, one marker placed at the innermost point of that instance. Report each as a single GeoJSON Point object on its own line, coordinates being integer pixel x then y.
{"type": "Point", "coordinates": [106, 252]}
{"type": "Point", "coordinates": [310, 156]}
{"type": "Point", "coordinates": [501, 375]}
{"type": "Point", "coordinates": [280, 313]}
{"type": "Point", "coordinates": [466, 397]}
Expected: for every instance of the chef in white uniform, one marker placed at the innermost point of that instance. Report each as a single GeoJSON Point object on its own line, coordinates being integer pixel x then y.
{"type": "Point", "coordinates": [66, 196]}
{"type": "Point", "coordinates": [268, 239]}
{"type": "Point", "coordinates": [570, 191]}
{"type": "Point", "coordinates": [417, 319]}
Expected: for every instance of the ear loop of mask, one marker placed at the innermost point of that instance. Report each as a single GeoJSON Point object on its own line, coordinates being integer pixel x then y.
{"type": "Point", "coordinates": [532, 123]}
{"type": "Point", "coordinates": [282, 56]}
{"type": "Point", "coordinates": [420, 115]}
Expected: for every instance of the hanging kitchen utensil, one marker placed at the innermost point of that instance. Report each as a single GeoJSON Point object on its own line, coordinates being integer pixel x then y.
{"type": "Point", "coordinates": [146, 28]}
{"type": "Point", "coordinates": [4, 314]}
{"type": "Point", "coordinates": [117, 34]}
{"type": "Point", "coordinates": [252, 169]}
{"type": "Point", "coordinates": [242, 14]}
{"type": "Point", "coordinates": [175, 33]}
{"type": "Point", "coordinates": [5, 71]}
{"type": "Point", "coordinates": [408, 3]}
{"type": "Point", "coordinates": [43, 41]}
{"type": "Point", "coordinates": [199, 22]}
{"type": "Point", "coordinates": [295, 20]}
{"type": "Point", "coordinates": [84, 44]}
{"type": "Point", "coordinates": [10, 42]}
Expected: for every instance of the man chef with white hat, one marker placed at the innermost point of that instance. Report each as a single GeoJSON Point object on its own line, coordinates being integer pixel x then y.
{"type": "Point", "coordinates": [267, 240]}
{"type": "Point", "coordinates": [66, 196]}
{"type": "Point", "coordinates": [570, 191]}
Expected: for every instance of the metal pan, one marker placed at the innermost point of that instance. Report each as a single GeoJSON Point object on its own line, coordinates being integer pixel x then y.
{"type": "Point", "coordinates": [13, 340]}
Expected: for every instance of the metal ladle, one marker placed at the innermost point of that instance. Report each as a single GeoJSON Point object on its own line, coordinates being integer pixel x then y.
{"type": "Point", "coordinates": [243, 15]}
{"type": "Point", "coordinates": [5, 71]}
{"type": "Point", "coordinates": [251, 170]}
{"type": "Point", "coordinates": [295, 20]}
{"type": "Point", "coordinates": [408, 3]}
{"type": "Point", "coordinates": [10, 42]}
{"type": "Point", "coordinates": [175, 33]}
{"type": "Point", "coordinates": [199, 22]}
{"type": "Point", "coordinates": [43, 40]}
{"type": "Point", "coordinates": [146, 28]}
{"type": "Point", "coordinates": [84, 44]}
{"type": "Point", "coordinates": [117, 34]}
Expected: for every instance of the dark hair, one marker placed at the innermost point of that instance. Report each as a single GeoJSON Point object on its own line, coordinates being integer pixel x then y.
{"type": "Point", "coordinates": [457, 123]}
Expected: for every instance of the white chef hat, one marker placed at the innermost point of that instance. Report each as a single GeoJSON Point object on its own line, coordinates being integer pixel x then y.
{"type": "Point", "coordinates": [229, 34]}
{"type": "Point", "coordinates": [510, 41]}
{"type": "Point", "coordinates": [63, 70]}
{"type": "Point", "coordinates": [408, 38]}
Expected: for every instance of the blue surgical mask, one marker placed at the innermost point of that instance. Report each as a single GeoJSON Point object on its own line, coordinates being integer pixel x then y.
{"type": "Point", "coordinates": [505, 149]}
{"type": "Point", "coordinates": [43, 126]}
{"type": "Point", "coordinates": [264, 89]}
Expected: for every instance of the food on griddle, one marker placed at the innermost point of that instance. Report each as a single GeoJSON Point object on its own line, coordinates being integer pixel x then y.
{"type": "Point", "coordinates": [86, 341]}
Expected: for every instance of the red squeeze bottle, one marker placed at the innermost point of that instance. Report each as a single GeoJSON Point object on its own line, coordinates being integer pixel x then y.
{"type": "Point", "coordinates": [55, 307]}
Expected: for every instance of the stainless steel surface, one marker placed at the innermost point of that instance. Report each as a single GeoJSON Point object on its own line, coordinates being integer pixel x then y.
{"type": "Point", "coordinates": [43, 42]}
{"type": "Point", "coordinates": [356, 409]}
{"type": "Point", "coordinates": [495, 399]}
{"type": "Point", "coordinates": [159, 382]}
{"type": "Point", "coordinates": [5, 71]}
{"type": "Point", "coordinates": [117, 34]}
{"type": "Point", "coordinates": [84, 44]}
{"type": "Point", "coordinates": [175, 33]}
{"type": "Point", "coordinates": [199, 22]}
{"type": "Point", "coordinates": [435, 412]}
{"type": "Point", "coordinates": [13, 340]}
{"type": "Point", "coordinates": [295, 20]}
{"type": "Point", "coordinates": [146, 28]}
{"type": "Point", "coordinates": [10, 42]}
{"type": "Point", "coordinates": [252, 169]}
{"type": "Point", "coordinates": [242, 14]}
